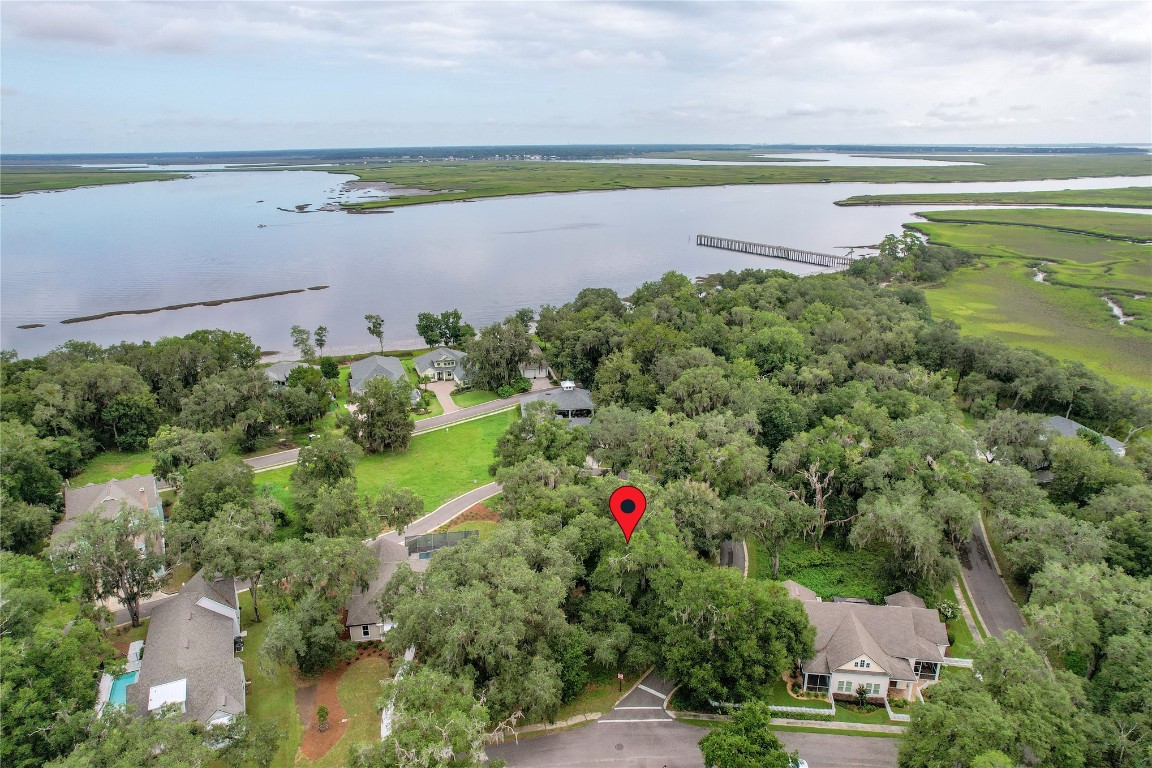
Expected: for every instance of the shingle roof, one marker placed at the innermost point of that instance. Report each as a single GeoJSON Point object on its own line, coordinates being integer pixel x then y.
{"type": "Point", "coordinates": [887, 635]}
{"type": "Point", "coordinates": [389, 554]}
{"type": "Point", "coordinates": [363, 371]}
{"type": "Point", "coordinates": [424, 362]}
{"type": "Point", "coordinates": [187, 641]}
{"type": "Point", "coordinates": [278, 372]}
{"type": "Point", "coordinates": [799, 591]}
{"type": "Point", "coordinates": [564, 399]}
{"type": "Point", "coordinates": [1069, 428]}
{"type": "Point", "coordinates": [905, 600]}
{"type": "Point", "coordinates": [105, 498]}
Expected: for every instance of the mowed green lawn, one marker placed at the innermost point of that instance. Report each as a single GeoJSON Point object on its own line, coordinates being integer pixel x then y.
{"type": "Point", "coordinates": [359, 690]}
{"type": "Point", "coordinates": [438, 465]}
{"type": "Point", "coordinates": [473, 397]}
{"type": "Point", "coordinates": [272, 694]}
{"type": "Point", "coordinates": [113, 465]}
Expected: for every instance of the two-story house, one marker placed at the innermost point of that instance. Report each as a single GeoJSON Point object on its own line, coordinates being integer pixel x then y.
{"type": "Point", "coordinates": [443, 364]}
{"type": "Point", "coordinates": [105, 500]}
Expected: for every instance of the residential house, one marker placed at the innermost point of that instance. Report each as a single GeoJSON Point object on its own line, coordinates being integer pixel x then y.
{"type": "Point", "coordinates": [886, 648]}
{"type": "Point", "coordinates": [362, 618]}
{"type": "Point", "coordinates": [443, 364]}
{"type": "Point", "coordinates": [363, 371]}
{"type": "Point", "coordinates": [572, 403]}
{"type": "Point", "coordinates": [1069, 428]}
{"type": "Point", "coordinates": [189, 657]}
{"type": "Point", "coordinates": [105, 500]}
{"type": "Point", "coordinates": [277, 373]}
{"type": "Point", "coordinates": [535, 367]}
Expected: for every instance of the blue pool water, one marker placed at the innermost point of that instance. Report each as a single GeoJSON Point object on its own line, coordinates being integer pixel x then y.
{"type": "Point", "coordinates": [118, 696]}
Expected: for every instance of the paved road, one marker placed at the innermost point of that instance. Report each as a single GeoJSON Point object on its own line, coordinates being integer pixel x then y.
{"type": "Point", "coordinates": [448, 510]}
{"type": "Point", "coordinates": [674, 744]}
{"type": "Point", "coordinates": [993, 601]}
{"type": "Point", "coordinates": [290, 456]}
{"type": "Point", "coordinates": [643, 703]}
{"type": "Point", "coordinates": [732, 555]}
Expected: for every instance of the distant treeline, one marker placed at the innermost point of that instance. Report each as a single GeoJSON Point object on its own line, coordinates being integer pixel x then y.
{"type": "Point", "coordinates": [565, 151]}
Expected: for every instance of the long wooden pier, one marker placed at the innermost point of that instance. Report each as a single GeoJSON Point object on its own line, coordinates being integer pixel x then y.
{"type": "Point", "coordinates": [775, 251]}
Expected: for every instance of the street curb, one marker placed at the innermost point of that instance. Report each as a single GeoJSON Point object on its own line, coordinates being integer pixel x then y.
{"type": "Point", "coordinates": [977, 621]}
{"type": "Point", "coordinates": [274, 466]}
{"type": "Point", "coordinates": [988, 545]}
{"type": "Point", "coordinates": [635, 685]}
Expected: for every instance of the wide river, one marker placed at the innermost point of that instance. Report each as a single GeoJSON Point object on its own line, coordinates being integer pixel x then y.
{"type": "Point", "coordinates": [221, 235]}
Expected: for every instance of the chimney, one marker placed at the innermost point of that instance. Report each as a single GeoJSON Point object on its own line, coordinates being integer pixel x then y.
{"type": "Point", "coordinates": [143, 499]}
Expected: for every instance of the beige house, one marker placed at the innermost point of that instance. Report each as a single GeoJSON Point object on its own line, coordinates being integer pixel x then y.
{"type": "Point", "coordinates": [885, 648]}
{"type": "Point", "coordinates": [105, 500]}
{"type": "Point", "coordinates": [362, 618]}
{"type": "Point", "coordinates": [443, 364]}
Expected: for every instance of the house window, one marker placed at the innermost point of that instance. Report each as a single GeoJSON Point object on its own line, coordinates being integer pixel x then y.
{"type": "Point", "coordinates": [873, 689]}
{"type": "Point", "coordinates": [365, 631]}
{"type": "Point", "coordinates": [862, 664]}
{"type": "Point", "coordinates": [844, 686]}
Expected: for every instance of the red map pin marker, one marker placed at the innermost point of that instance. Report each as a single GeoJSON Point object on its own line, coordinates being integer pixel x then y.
{"type": "Point", "coordinates": [627, 504]}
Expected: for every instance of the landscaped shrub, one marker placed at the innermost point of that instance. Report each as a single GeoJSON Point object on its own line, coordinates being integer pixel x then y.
{"type": "Point", "coordinates": [825, 718]}
{"type": "Point", "coordinates": [948, 610]}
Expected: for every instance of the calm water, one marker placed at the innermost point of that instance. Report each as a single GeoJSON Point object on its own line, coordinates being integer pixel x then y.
{"type": "Point", "coordinates": [88, 251]}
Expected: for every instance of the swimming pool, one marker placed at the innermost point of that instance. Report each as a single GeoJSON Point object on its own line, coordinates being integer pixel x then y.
{"type": "Point", "coordinates": [119, 694]}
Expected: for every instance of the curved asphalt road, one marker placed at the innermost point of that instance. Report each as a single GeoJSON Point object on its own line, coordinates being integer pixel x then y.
{"type": "Point", "coordinates": [994, 604]}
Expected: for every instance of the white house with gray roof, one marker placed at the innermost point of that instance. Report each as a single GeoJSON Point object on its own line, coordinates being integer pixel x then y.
{"type": "Point", "coordinates": [443, 364]}
{"type": "Point", "coordinates": [885, 648]}
{"type": "Point", "coordinates": [363, 371]}
{"type": "Point", "coordinates": [189, 658]}
{"type": "Point", "coordinates": [571, 402]}
{"type": "Point", "coordinates": [277, 373]}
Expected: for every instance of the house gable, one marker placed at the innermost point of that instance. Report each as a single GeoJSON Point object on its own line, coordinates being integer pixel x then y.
{"type": "Point", "coordinates": [863, 664]}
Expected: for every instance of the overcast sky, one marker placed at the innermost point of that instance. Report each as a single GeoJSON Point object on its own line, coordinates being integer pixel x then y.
{"type": "Point", "coordinates": [181, 76]}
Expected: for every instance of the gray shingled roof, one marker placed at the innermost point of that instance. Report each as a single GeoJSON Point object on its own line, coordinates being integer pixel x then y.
{"type": "Point", "coordinates": [424, 362]}
{"type": "Point", "coordinates": [389, 554]}
{"type": "Point", "coordinates": [799, 591]}
{"type": "Point", "coordinates": [190, 642]}
{"type": "Point", "coordinates": [887, 635]}
{"type": "Point", "coordinates": [564, 399]}
{"type": "Point", "coordinates": [1069, 428]}
{"type": "Point", "coordinates": [363, 371]}
{"type": "Point", "coordinates": [105, 498]}
{"type": "Point", "coordinates": [278, 372]}
{"type": "Point", "coordinates": [905, 600]}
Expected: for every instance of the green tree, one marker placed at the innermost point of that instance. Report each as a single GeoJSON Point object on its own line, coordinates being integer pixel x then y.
{"type": "Point", "coordinates": [48, 691]}
{"type": "Point", "coordinates": [122, 557]}
{"type": "Point", "coordinates": [338, 511]}
{"type": "Point", "coordinates": [302, 341]}
{"type": "Point", "coordinates": [25, 471]}
{"type": "Point", "coordinates": [376, 329]}
{"type": "Point", "coordinates": [329, 368]}
{"type": "Point", "coordinates": [746, 741]}
{"type": "Point", "coordinates": [119, 740]}
{"type": "Point", "coordinates": [308, 636]}
{"type": "Point", "coordinates": [175, 450]}
{"type": "Point", "coordinates": [24, 527]}
{"type": "Point", "coordinates": [436, 720]}
{"type": "Point", "coordinates": [395, 507]}
{"type": "Point", "coordinates": [495, 356]}
{"type": "Point", "coordinates": [328, 459]}
{"type": "Point", "coordinates": [539, 433]}
{"type": "Point", "coordinates": [725, 637]}
{"type": "Point", "coordinates": [321, 336]}
{"type": "Point", "coordinates": [380, 421]}
{"type": "Point", "coordinates": [237, 541]}
{"type": "Point", "coordinates": [235, 399]}
{"type": "Point", "coordinates": [209, 486]}
{"type": "Point", "coordinates": [773, 517]}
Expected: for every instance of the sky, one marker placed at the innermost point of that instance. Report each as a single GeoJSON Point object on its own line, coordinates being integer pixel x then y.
{"type": "Point", "coordinates": [114, 76]}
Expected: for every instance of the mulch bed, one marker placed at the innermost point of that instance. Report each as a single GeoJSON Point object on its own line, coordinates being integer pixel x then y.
{"type": "Point", "coordinates": [315, 743]}
{"type": "Point", "coordinates": [474, 514]}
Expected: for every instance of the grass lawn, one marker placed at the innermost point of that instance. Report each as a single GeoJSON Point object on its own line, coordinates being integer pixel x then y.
{"type": "Point", "coordinates": [473, 397]}
{"type": "Point", "coordinates": [963, 645]}
{"type": "Point", "coordinates": [1001, 300]}
{"type": "Point", "coordinates": [113, 465]}
{"type": "Point", "coordinates": [878, 716]}
{"type": "Point", "coordinates": [836, 570]}
{"type": "Point", "coordinates": [271, 696]}
{"type": "Point", "coordinates": [599, 696]}
{"type": "Point", "coordinates": [126, 635]}
{"type": "Point", "coordinates": [778, 696]}
{"type": "Point", "coordinates": [834, 731]}
{"type": "Point", "coordinates": [438, 465]}
{"type": "Point", "coordinates": [484, 527]}
{"type": "Point", "coordinates": [177, 575]}
{"type": "Point", "coordinates": [358, 690]}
